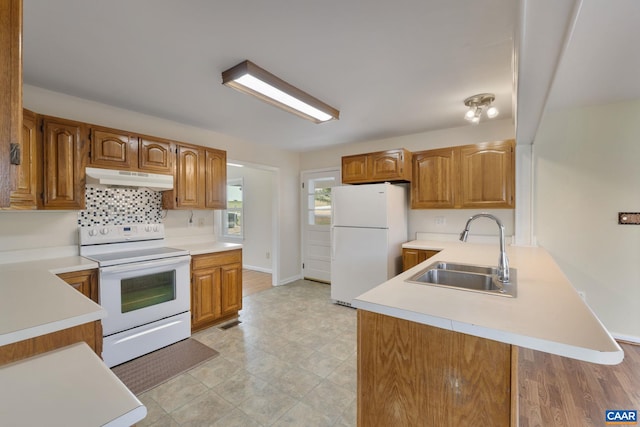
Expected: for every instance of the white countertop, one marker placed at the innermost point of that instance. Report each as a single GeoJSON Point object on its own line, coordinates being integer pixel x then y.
{"type": "Point", "coordinates": [34, 301]}
{"type": "Point", "coordinates": [547, 315]}
{"type": "Point", "coordinates": [66, 387]}
{"type": "Point", "coordinates": [199, 248]}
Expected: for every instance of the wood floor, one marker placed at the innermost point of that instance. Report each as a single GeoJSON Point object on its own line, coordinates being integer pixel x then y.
{"type": "Point", "coordinates": [557, 391]}
{"type": "Point", "coordinates": [254, 281]}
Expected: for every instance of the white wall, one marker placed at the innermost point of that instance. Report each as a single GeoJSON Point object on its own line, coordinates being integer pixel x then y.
{"type": "Point", "coordinates": [587, 170]}
{"type": "Point", "coordinates": [257, 216]}
{"type": "Point", "coordinates": [424, 220]}
{"type": "Point", "coordinates": [62, 231]}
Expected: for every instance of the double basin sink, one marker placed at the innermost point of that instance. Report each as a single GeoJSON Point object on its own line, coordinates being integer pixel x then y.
{"type": "Point", "coordinates": [467, 277]}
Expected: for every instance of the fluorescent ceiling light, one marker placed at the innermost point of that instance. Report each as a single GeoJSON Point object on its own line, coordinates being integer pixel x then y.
{"type": "Point", "coordinates": [247, 77]}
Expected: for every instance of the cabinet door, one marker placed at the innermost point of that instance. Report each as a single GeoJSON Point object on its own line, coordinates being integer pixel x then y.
{"type": "Point", "coordinates": [86, 282]}
{"type": "Point", "coordinates": [205, 297]}
{"type": "Point", "coordinates": [113, 149]}
{"type": "Point", "coordinates": [190, 178]}
{"type": "Point", "coordinates": [390, 165]}
{"type": "Point", "coordinates": [216, 179]}
{"type": "Point", "coordinates": [230, 289]}
{"type": "Point", "coordinates": [354, 169]}
{"type": "Point", "coordinates": [65, 157]}
{"type": "Point", "coordinates": [413, 257]}
{"type": "Point", "coordinates": [435, 179]}
{"type": "Point", "coordinates": [11, 89]}
{"type": "Point", "coordinates": [487, 175]}
{"type": "Point", "coordinates": [438, 377]}
{"type": "Point", "coordinates": [28, 173]}
{"type": "Point", "coordinates": [155, 156]}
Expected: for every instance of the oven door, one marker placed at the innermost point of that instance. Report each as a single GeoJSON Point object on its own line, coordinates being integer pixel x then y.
{"type": "Point", "coordinates": [143, 292]}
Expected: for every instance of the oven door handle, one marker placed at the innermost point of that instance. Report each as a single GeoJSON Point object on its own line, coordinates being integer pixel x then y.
{"type": "Point", "coordinates": [145, 264]}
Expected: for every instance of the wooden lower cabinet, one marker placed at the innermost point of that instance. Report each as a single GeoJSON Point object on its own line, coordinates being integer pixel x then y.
{"type": "Point", "coordinates": [85, 281]}
{"type": "Point", "coordinates": [410, 374]}
{"type": "Point", "coordinates": [216, 288]}
{"type": "Point", "coordinates": [413, 257]}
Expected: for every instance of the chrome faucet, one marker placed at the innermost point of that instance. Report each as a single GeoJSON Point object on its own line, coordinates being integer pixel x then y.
{"type": "Point", "coordinates": [503, 262]}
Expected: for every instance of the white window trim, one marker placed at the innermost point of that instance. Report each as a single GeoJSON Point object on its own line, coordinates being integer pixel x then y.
{"type": "Point", "coordinates": [225, 213]}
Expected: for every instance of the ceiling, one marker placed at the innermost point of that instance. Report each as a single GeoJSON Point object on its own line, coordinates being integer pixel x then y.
{"type": "Point", "coordinates": [391, 68]}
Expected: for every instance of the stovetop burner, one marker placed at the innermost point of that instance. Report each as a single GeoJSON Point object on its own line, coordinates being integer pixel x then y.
{"type": "Point", "coordinates": [138, 255]}
{"type": "Point", "coordinates": [123, 244]}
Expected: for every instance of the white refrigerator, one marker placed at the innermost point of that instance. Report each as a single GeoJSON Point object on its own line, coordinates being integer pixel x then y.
{"type": "Point", "coordinates": [368, 228]}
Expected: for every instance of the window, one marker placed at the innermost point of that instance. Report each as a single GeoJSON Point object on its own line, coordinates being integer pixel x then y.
{"type": "Point", "coordinates": [232, 218]}
{"type": "Point", "coordinates": [319, 201]}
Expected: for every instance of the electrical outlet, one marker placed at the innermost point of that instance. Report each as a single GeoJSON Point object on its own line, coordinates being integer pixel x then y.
{"type": "Point", "coordinates": [200, 222]}
{"type": "Point", "coordinates": [440, 220]}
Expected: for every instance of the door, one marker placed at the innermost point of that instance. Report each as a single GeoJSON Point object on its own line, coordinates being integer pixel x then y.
{"type": "Point", "coordinates": [317, 207]}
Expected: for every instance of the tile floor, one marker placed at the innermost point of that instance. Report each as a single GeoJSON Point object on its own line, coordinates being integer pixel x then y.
{"type": "Point", "coordinates": [291, 362]}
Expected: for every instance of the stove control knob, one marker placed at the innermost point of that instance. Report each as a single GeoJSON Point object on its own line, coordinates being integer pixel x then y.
{"type": "Point", "coordinates": [156, 227]}
{"type": "Point", "coordinates": [104, 231]}
{"type": "Point", "coordinates": [93, 232]}
{"type": "Point", "coordinates": [147, 228]}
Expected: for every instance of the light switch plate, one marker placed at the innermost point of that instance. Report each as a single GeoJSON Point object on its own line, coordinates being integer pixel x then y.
{"type": "Point", "coordinates": [629, 218]}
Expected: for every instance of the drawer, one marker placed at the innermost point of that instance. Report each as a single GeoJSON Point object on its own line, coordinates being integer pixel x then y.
{"type": "Point", "coordinates": [216, 259]}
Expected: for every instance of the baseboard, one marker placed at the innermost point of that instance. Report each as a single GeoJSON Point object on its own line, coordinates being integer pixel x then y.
{"type": "Point", "coordinates": [260, 269]}
{"type": "Point", "coordinates": [630, 339]}
{"type": "Point", "coordinates": [289, 280]}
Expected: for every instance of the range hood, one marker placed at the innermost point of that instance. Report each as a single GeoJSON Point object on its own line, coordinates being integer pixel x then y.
{"type": "Point", "coordinates": [112, 177]}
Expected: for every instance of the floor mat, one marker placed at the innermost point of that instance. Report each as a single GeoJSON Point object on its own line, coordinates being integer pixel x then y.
{"type": "Point", "coordinates": [151, 370]}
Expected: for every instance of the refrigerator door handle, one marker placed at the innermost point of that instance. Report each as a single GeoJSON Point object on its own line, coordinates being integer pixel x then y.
{"type": "Point", "coordinates": [333, 243]}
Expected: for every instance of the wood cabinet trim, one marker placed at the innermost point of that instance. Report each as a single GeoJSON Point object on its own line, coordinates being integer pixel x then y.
{"type": "Point", "coordinates": [11, 87]}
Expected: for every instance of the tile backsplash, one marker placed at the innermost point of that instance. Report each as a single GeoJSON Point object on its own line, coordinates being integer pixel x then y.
{"type": "Point", "coordinates": [120, 205]}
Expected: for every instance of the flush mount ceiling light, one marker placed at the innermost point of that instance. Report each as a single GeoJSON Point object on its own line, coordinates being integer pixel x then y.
{"type": "Point", "coordinates": [479, 103]}
{"type": "Point", "coordinates": [247, 77]}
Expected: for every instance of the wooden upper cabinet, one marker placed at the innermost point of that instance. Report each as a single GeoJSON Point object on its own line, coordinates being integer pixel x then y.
{"type": "Point", "coordinates": [382, 166]}
{"type": "Point", "coordinates": [434, 179]}
{"type": "Point", "coordinates": [65, 156]}
{"type": "Point", "coordinates": [113, 149]}
{"type": "Point", "coordinates": [155, 155]}
{"type": "Point", "coordinates": [392, 165]}
{"type": "Point", "coordinates": [354, 168]}
{"type": "Point", "coordinates": [28, 174]}
{"type": "Point", "coordinates": [469, 176]}
{"type": "Point", "coordinates": [215, 179]}
{"type": "Point", "coordinates": [189, 186]}
{"type": "Point", "coordinates": [487, 175]}
{"type": "Point", "coordinates": [11, 90]}
{"type": "Point", "coordinates": [190, 177]}
{"type": "Point", "coordinates": [201, 179]}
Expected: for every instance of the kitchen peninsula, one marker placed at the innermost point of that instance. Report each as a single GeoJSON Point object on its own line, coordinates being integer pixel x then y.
{"type": "Point", "coordinates": [431, 355]}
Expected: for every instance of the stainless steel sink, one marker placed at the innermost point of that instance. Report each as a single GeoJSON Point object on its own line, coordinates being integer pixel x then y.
{"type": "Point", "coordinates": [470, 268]}
{"type": "Point", "coordinates": [468, 277]}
